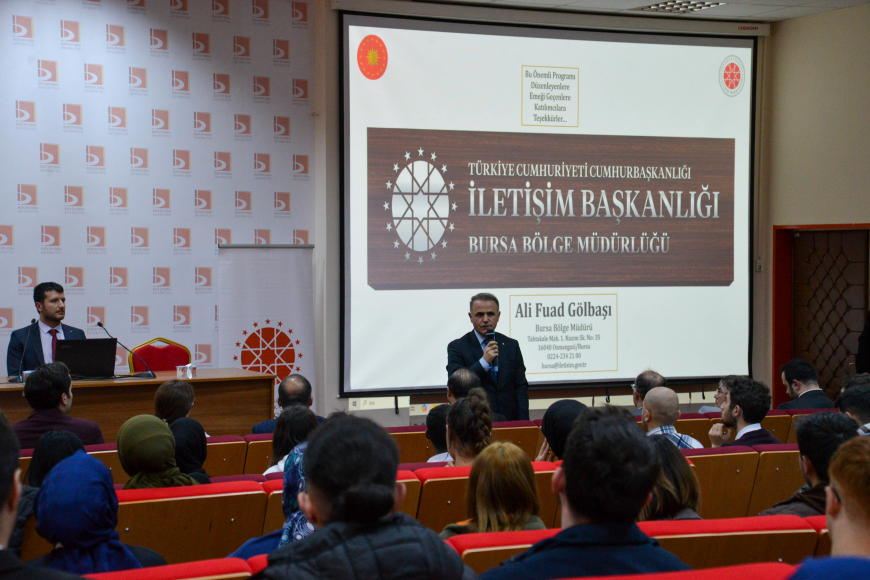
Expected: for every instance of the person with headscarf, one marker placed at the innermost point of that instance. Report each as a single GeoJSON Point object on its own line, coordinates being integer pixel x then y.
{"type": "Point", "coordinates": [77, 512]}
{"type": "Point", "coordinates": [146, 449]}
{"type": "Point", "coordinates": [190, 448]}
{"type": "Point", "coordinates": [296, 526]}
{"type": "Point", "coordinates": [556, 426]}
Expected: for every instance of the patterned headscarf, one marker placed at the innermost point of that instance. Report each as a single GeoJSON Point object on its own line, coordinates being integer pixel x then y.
{"type": "Point", "coordinates": [296, 525]}
{"type": "Point", "coordinates": [146, 448]}
{"type": "Point", "coordinates": [77, 508]}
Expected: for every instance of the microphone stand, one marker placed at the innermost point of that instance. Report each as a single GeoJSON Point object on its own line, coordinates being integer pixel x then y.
{"type": "Point", "coordinates": [149, 374]}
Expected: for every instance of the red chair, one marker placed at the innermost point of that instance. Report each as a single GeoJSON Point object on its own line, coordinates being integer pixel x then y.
{"type": "Point", "coordinates": [820, 523]}
{"type": "Point", "coordinates": [259, 563]}
{"type": "Point", "coordinates": [159, 358]}
{"type": "Point", "coordinates": [766, 571]}
{"type": "Point", "coordinates": [796, 415]}
{"type": "Point", "coordinates": [224, 568]}
{"type": "Point", "coordinates": [416, 466]}
{"type": "Point", "coordinates": [255, 477]}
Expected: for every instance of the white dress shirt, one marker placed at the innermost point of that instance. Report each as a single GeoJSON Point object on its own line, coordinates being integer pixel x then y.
{"type": "Point", "coordinates": [46, 339]}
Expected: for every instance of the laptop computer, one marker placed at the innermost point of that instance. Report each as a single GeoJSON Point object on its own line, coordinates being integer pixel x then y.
{"type": "Point", "coordinates": [92, 358]}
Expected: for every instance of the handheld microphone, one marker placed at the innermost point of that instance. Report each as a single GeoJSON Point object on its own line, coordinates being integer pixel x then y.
{"type": "Point", "coordinates": [490, 337]}
{"type": "Point", "coordinates": [149, 374]}
{"type": "Point", "coordinates": [20, 376]}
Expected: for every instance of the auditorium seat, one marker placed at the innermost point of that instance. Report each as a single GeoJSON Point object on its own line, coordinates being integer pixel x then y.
{"type": "Point", "coordinates": [414, 486]}
{"type": "Point", "coordinates": [421, 465]}
{"type": "Point", "coordinates": [412, 442]}
{"type": "Point", "coordinates": [190, 523]}
{"type": "Point", "coordinates": [698, 543]}
{"type": "Point", "coordinates": [258, 563]}
{"type": "Point", "coordinates": [259, 452]}
{"type": "Point", "coordinates": [820, 524]}
{"type": "Point", "coordinates": [32, 544]}
{"type": "Point", "coordinates": [223, 569]}
{"type": "Point", "coordinates": [272, 476]}
{"type": "Point", "coordinates": [442, 497]}
{"type": "Point", "coordinates": [549, 501]}
{"type": "Point", "coordinates": [722, 542]}
{"type": "Point", "coordinates": [763, 571]}
{"type": "Point", "coordinates": [796, 414]}
{"type": "Point", "coordinates": [726, 476]}
{"type": "Point", "coordinates": [694, 425]}
{"type": "Point", "coordinates": [159, 358]}
{"type": "Point", "coordinates": [24, 459]}
{"type": "Point", "coordinates": [523, 434]}
{"type": "Point", "coordinates": [255, 477]}
{"type": "Point", "coordinates": [778, 476]}
{"type": "Point", "coordinates": [778, 423]}
{"type": "Point", "coordinates": [226, 455]}
{"type": "Point", "coordinates": [274, 512]}
{"type": "Point", "coordinates": [107, 453]}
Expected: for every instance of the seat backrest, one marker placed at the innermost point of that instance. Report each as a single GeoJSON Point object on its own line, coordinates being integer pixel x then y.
{"type": "Point", "coordinates": [412, 442]}
{"type": "Point", "coordinates": [274, 513]}
{"type": "Point", "coordinates": [820, 524]}
{"type": "Point", "coordinates": [712, 543]}
{"type": "Point", "coordinates": [198, 522]}
{"type": "Point", "coordinates": [695, 425]}
{"type": "Point", "coordinates": [159, 357]}
{"type": "Point", "coordinates": [777, 477]}
{"type": "Point", "coordinates": [523, 434]}
{"type": "Point", "coordinates": [765, 571]}
{"type": "Point", "coordinates": [484, 551]}
{"type": "Point", "coordinates": [259, 456]}
{"type": "Point", "coordinates": [226, 455]}
{"type": "Point", "coordinates": [549, 502]}
{"type": "Point", "coordinates": [442, 497]}
{"type": "Point", "coordinates": [259, 563]}
{"type": "Point", "coordinates": [223, 568]}
{"type": "Point", "coordinates": [726, 476]}
{"type": "Point", "coordinates": [108, 455]}
{"type": "Point", "coordinates": [796, 415]}
{"type": "Point", "coordinates": [32, 544]}
{"type": "Point", "coordinates": [778, 423]}
{"type": "Point", "coordinates": [413, 487]}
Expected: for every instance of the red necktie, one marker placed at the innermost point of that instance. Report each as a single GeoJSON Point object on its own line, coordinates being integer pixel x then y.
{"type": "Point", "coordinates": [53, 333]}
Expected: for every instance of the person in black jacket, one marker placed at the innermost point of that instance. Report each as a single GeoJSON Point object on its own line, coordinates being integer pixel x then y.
{"type": "Point", "coordinates": [802, 385]}
{"type": "Point", "coordinates": [352, 500]}
{"type": "Point", "coordinates": [498, 363]}
{"type": "Point", "coordinates": [862, 357]}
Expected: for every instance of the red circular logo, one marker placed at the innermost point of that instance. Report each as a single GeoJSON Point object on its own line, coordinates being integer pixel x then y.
{"type": "Point", "coordinates": [731, 75]}
{"type": "Point", "coordinates": [372, 57]}
{"type": "Point", "coordinates": [269, 350]}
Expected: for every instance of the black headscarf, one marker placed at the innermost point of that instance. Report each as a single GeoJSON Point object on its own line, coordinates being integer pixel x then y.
{"type": "Point", "coordinates": [190, 448]}
{"type": "Point", "coordinates": [557, 424]}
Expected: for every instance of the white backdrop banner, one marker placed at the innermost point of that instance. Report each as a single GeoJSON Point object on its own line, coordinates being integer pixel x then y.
{"type": "Point", "coordinates": [139, 135]}
{"type": "Point", "coordinates": [266, 305]}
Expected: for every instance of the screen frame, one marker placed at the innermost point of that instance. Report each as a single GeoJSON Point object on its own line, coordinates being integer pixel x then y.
{"type": "Point", "coordinates": [348, 18]}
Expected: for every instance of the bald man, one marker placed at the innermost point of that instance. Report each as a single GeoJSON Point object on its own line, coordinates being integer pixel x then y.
{"type": "Point", "coordinates": [661, 409]}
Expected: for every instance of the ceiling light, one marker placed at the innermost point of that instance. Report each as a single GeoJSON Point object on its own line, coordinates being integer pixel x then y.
{"type": "Point", "coordinates": [679, 7]}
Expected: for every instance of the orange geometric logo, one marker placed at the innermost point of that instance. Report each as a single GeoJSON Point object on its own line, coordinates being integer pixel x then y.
{"type": "Point", "coordinates": [94, 74]}
{"type": "Point", "coordinates": [138, 158]}
{"type": "Point", "coordinates": [51, 236]}
{"type": "Point", "coordinates": [243, 201]}
{"type": "Point", "coordinates": [73, 195]}
{"type": "Point", "coordinates": [27, 277]}
{"type": "Point", "coordinates": [203, 354]}
{"type": "Point", "coordinates": [139, 237]}
{"type": "Point", "coordinates": [262, 237]}
{"type": "Point", "coordinates": [201, 43]}
{"type": "Point", "coordinates": [117, 277]}
{"type": "Point", "coordinates": [241, 46]}
{"type": "Point", "coordinates": [118, 117]}
{"type": "Point", "coordinates": [7, 235]}
{"type": "Point", "coordinates": [181, 237]}
{"type": "Point", "coordinates": [221, 84]}
{"type": "Point", "coordinates": [300, 236]}
{"type": "Point", "coordinates": [96, 236]}
{"type": "Point", "coordinates": [95, 156]}
{"type": "Point", "coordinates": [223, 161]}
{"type": "Point", "coordinates": [117, 197]}
{"type": "Point", "coordinates": [262, 163]}
{"type": "Point", "coordinates": [281, 126]}
{"type": "Point", "coordinates": [181, 159]}
{"type": "Point", "coordinates": [372, 57]}
{"type": "Point", "coordinates": [161, 199]}
{"type": "Point", "coordinates": [70, 31]}
{"type": "Point", "coordinates": [242, 125]}
{"type": "Point", "coordinates": [96, 314]}
{"type": "Point", "coordinates": [181, 80]}
{"type": "Point", "coordinates": [49, 154]}
{"type": "Point", "coordinates": [72, 114]}
{"type": "Point", "coordinates": [300, 89]}
{"type": "Point", "coordinates": [202, 199]}
{"type": "Point", "coordinates": [300, 12]}
{"type": "Point", "coordinates": [281, 49]}
{"type": "Point", "coordinates": [46, 71]}
{"type": "Point", "coordinates": [181, 315]}
{"type": "Point", "coordinates": [223, 236]}
{"type": "Point", "coordinates": [260, 9]}
{"type": "Point", "coordinates": [162, 277]}
{"type": "Point", "coordinates": [139, 315]}
{"type": "Point", "coordinates": [7, 318]}
{"type": "Point", "coordinates": [28, 194]}
{"type": "Point", "coordinates": [74, 277]}
{"type": "Point", "coordinates": [220, 7]}
{"type": "Point", "coordinates": [115, 35]}
{"type": "Point", "coordinates": [160, 119]}
{"type": "Point", "coordinates": [268, 349]}
{"type": "Point", "coordinates": [25, 111]}
{"type": "Point", "coordinates": [159, 39]}
{"type": "Point", "coordinates": [300, 164]}
{"type": "Point", "coordinates": [22, 26]}
{"type": "Point", "coordinates": [138, 77]}
{"type": "Point", "coordinates": [202, 278]}
{"type": "Point", "coordinates": [282, 201]}
{"type": "Point", "coordinates": [262, 87]}
{"type": "Point", "coordinates": [201, 122]}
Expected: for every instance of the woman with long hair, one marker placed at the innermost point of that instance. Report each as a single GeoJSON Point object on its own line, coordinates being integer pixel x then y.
{"type": "Point", "coordinates": [469, 427]}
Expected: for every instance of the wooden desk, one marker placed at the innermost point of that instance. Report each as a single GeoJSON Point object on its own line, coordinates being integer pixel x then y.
{"type": "Point", "coordinates": [228, 401]}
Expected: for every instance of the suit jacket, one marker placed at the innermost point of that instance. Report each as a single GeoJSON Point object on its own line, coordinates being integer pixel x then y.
{"type": "Point", "coordinates": [815, 399]}
{"type": "Point", "coordinates": [31, 429]}
{"type": "Point", "coordinates": [11, 568]}
{"type": "Point", "coordinates": [266, 427]}
{"type": "Point", "coordinates": [33, 357]}
{"type": "Point", "coordinates": [862, 357]}
{"type": "Point", "coordinates": [511, 396]}
{"type": "Point", "coordinates": [758, 437]}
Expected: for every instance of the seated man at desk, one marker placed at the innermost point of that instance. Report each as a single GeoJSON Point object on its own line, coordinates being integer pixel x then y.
{"type": "Point", "coordinates": [48, 391]}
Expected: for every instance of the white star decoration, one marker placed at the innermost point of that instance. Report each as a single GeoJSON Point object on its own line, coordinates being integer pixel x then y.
{"type": "Point", "coordinates": [434, 157]}
{"type": "Point", "coordinates": [389, 184]}
{"type": "Point", "coordinates": [451, 186]}
{"type": "Point", "coordinates": [453, 207]}
{"type": "Point", "coordinates": [389, 227]}
{"type": "Point", "coordinates": [433, 255]}
{"type": "Point", "coordinates": [407, 156]}
{"type": "Point", "coordinates": [396, 244]}
{"type": "Point", "coordinates": [407, 255]}
{"type": "Point", "coordinates": [444, 168]}
{"type": "Point", "coordinates": [387, 206]}
{"type": "Point", "coordinates": [420, 260]}
{"type": "Point", "coordinates": [444, 244]}
{"type": "Point", "coordinates": [451, 227]}
{"type": "Point", "coordinates": [420, 151]}
{"type": "Point", "coordinates": [396, 167]}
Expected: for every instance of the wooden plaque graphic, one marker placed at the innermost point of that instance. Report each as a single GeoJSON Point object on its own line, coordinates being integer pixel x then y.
{"type": "Point", "coordinates": [463, 209]}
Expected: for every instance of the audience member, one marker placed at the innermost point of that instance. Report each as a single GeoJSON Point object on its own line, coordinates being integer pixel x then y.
{"type": "Point", "coordinates": [436, 431]}
{"type": "Point", "coordinates": [556, 425]}
{"type": "Point", "coordinates": [296, 526]}
{"type": "Point", "coordinates": [77, 512]}
{"type": "Point", "coordinates": [501, 495]}
{"type": "Point", "coordinates": [293, 427]}
{"type": "Point", "coordinates": [677, 493]}
{"type": "Point", "coordinates": [609, 470]}
{"type": "Point", "coordinates": [191, 448]}
{"type": "Point", "coordinates": [854, 381]}
{"type": "Point", "coordinates": [11, 567]}
{"type": "Point", "coordinates": [848, 511]}
{"type": "Point", "coordinates": [352, 499]}
{"type": "Point", "coordinates": [661, 409]}
{"type": "Point", "coordinates": [146, 449]}
{"type": "Point", "coordinates": [173, 400]}
{"type": "Point", "coordinates": [855, 402]}
{"type": "Point", "coordinates": [469, 427]}
{"type": "Point", "coordinates": [48, 391]}
{"type": "Point", "coordinates": [862, 357]}
{"type": "Point", "coordinates": [802, 385]}
{"type": "Point", "coordinates": [719, 395]}
{"type": "Point", "coordinates": [644, 383]}
{"type": "Point", "coordinates": [746, 403]}
{"type": "Point", "coordinates": [818, 435]}
{"type": "Point", "coordinates": [459, 384]}
{"type": "Point", "coordinates": [293, 390]}
{"type": "Point", "coordinates": [52, 448]}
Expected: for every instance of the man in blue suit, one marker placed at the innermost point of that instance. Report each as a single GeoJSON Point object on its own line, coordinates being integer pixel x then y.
{"type": "Point", "coordinates": [36, 343]}
{"type": "Point", "coordinates": [498, 363]}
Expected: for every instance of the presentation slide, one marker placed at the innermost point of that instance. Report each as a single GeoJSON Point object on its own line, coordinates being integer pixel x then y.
{"type": "Point", "coordinates": [597, 183]}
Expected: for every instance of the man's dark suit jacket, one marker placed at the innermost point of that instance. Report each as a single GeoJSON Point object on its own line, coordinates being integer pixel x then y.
{"type": "Point", "coordinates": [11, 568]}
{"type": "Point", "coordinates": [33, 357]}
{"type": "Point", "coordinates": [266, 427]}
{"type": "Point", "coordinates": [815, 399]}
{"type": "Point", "coordinates": [758, 437]}
{"type": "Point", "coordinates": [511, 396]}
{"type": "Point", "coordinates": [31, 429]}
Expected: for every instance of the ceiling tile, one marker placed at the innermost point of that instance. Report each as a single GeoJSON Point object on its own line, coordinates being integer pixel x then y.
{"type": "Point", "coordinates": [794, 12]}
